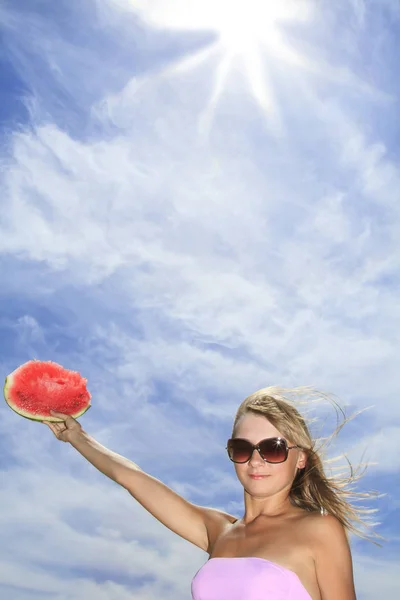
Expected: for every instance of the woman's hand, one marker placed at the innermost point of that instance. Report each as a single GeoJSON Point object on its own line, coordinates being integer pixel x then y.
{"type": "Point", "coordinates": [66, 430]}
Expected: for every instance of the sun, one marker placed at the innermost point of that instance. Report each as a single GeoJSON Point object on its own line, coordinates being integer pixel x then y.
{"type": "Point", "coordinates": [248, 37]}
{"type": "Point", "coordinates": [244, 25]}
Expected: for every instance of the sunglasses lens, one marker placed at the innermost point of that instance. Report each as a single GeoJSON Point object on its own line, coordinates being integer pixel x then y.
{"type": "Point", "coordinates": [239, 450]}
{"type": "Point", "coordinates": [274, 450]}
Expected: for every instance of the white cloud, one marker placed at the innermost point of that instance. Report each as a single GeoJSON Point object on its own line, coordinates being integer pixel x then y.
{"type": "Point", "coordinates": [96, 531]}
{"type": "Point", "coordinates": [381, 449]}
{"type": "Point", "coordinates": [376, 576]}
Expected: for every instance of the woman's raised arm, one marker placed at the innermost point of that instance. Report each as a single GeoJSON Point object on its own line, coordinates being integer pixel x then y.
{"type": "Point", "coordinates": [196, 524]}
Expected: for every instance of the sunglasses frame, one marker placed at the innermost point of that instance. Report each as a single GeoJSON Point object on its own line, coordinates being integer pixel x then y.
{"type": "Point", "coordinates": [257, 447]}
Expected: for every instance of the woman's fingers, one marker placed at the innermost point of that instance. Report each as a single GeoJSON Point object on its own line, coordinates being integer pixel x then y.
{"type": "Point", "coordinates": [62, 429]}
{"type": "Point", "coordinates": [68, 421]}
{"type": "Point", "coordinates": [59, 415]}
{"type": "Point", "coordinates": [56, 428]}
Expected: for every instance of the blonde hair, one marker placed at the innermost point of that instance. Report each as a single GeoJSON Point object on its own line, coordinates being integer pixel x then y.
{"type": "Point", "coordinates": [312, 489]}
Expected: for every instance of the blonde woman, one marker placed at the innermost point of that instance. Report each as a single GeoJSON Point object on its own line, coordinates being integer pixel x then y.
{"type": "Point", "coordinates": [290, 544]}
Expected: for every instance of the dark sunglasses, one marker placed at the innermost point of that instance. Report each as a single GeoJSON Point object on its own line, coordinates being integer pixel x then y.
{"type": "Point", "coordinates": [272, 450]}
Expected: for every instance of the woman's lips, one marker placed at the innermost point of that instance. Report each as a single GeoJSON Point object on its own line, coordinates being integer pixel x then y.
{"type": "Point", "coordinates": [255, 476]}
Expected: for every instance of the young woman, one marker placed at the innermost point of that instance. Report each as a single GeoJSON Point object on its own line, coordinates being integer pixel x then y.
{"type": "Point", "coordinates": [290, 544]}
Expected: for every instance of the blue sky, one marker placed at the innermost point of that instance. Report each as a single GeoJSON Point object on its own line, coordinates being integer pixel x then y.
{"type": "Point", "coordinates": [194, 207]}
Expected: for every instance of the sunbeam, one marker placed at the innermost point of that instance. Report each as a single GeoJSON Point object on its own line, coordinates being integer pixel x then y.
{"type": "Point", "coordinates": [248, 38]}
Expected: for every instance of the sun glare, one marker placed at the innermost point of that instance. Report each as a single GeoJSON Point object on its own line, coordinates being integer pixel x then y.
{"type": "Point", "coordinates": [248, 37]}
{"type": "Point", "coordinates": [243, 25]}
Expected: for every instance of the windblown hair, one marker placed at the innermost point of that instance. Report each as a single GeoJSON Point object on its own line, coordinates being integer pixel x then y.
{"type": "Point", "coordinates": [312, 489]}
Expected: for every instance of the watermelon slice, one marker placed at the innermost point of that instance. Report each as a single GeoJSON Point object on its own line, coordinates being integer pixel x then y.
{"type": "Point", "coordinates": [37, 387]}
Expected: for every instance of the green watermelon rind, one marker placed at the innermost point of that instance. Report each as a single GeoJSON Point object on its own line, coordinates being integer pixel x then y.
{"type": "Point", "coordinates": [42, 418]}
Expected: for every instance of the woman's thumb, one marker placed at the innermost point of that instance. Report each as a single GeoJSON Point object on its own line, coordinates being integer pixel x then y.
{"type": "Point", "coordinates": [59, 415]}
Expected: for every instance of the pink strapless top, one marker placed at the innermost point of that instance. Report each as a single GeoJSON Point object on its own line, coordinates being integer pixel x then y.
{"type": "Point", "coordinates": [246, 578]}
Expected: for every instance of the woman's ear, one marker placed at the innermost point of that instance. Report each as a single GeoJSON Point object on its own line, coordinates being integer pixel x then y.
{"type": "Point", "coordinates": [302, 460]}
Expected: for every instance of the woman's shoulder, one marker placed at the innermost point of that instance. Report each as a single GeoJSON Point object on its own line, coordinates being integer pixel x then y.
{"type": "Point", "coordinates": [329, 547]}
{"type": "Point", "coordinates": [322, 520]}
{"type": "Point", "coordinates": [219, 516]}
{"type": "Point", "coordinates": [320, 527]}
{"type": "Point", "coordinates": [216, 522]}
{"type": "Point", "coordinates": [317, 524]}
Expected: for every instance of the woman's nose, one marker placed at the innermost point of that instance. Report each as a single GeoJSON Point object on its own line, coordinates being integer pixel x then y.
{"type": "Point", "coordinates": [255, 458]}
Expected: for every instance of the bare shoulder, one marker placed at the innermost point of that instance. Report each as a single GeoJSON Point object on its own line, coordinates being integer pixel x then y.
{"type": "Point", "coordinates": [216, 517]}
{"type": "Point", "coordinates": [324, 531]}
{"type": "Point", "coordinates": [330, 549]}
{"type": "Point", "coordinates": [216, 522]}
{"type": "Point", "coordinates": [322, 525]}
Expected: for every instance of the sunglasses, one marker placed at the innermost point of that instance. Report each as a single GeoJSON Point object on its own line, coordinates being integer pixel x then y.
{"type": "Point", "coordinates": [272, 450]}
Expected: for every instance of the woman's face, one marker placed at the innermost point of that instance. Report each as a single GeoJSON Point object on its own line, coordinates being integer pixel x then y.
{"type": "Point", "coordinates": [276, 477]}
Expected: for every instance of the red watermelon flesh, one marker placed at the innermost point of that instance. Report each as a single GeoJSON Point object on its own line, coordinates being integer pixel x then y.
{"type": "Point", "coordinates": [37, 387]}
